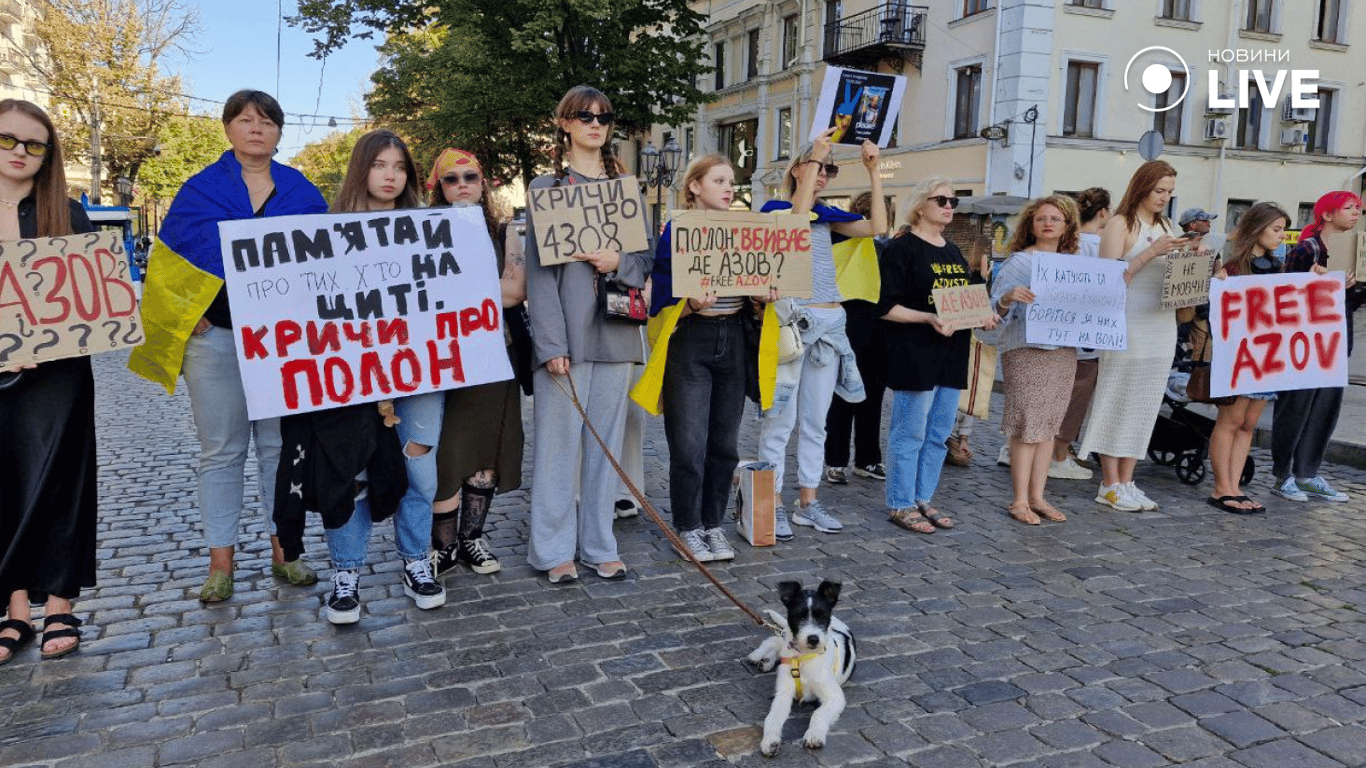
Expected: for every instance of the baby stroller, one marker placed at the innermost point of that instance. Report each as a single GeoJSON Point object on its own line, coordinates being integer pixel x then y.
{"type": "Point", "coordinates": [1180, 437]}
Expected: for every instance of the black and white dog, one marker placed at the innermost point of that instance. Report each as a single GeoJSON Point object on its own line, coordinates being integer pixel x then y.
{"type": "Point", "coordinates": [818, 653]}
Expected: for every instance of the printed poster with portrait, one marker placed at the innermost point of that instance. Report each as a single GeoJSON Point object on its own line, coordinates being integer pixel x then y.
{"type": "Point", "coordinates": [862, 105]}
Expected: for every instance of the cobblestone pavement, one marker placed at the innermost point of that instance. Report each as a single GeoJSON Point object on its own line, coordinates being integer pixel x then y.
{"type": "Point", "coordinates": [1184, 636]}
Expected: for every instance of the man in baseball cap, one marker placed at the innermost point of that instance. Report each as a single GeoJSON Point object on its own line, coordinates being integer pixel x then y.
{"type": "Point", "coordinates": [1196, 220]}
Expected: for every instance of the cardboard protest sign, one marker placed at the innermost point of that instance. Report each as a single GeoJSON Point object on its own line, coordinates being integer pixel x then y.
{"type": "Point", "coordinates": [1186, 281]}
{"type": "Point", "coordinates": [863, 105]}
{"type": "Point", "coordinates": [741, 254]}
{"type": "Point", "coordinates": [66, 297]}
{"type": "Point", "coordinates": [581, 218]}
{"type": "Point", "coordinates": [1346, 251]}
{"type": "Point", "coordinates": [333, 309]}
{"type": "Point", "coordinates": [1278, 332]}
{"type": "Point", "coordinates": [963, 306]}
{"type": "Point", "coordinates": [1078, 302]}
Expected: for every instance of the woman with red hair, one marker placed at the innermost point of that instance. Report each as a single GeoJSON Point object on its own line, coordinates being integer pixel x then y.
{"type": "Point", "coordinates": [1305, 418]}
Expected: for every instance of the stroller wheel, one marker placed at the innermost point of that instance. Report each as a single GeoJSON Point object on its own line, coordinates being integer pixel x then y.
{"type": "Point", "coordinates": [1190, 468]}
{"type": "Point", "coordinates": [1164, 458]}
{"type": "Point", "coordinates": [1249, 469]}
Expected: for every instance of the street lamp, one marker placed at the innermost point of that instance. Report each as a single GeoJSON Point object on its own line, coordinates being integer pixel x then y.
{"type": "Point", "coordinates": [660, 167]}
{"type": "Point", "coordinates": [125, 188]}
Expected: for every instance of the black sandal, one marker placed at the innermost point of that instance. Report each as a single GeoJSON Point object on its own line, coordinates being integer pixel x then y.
{"type": "Point", "coordinates": [15, 644]}
{"type": "Point", "coordinates": [70, 623]}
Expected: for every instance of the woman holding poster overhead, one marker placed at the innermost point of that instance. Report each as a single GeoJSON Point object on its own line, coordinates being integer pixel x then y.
{"type": "Point", "coordinates": [189, 325]}
{"type": "Point", "coordinates": [1305, 418]}
{"type": "Point", "coordinates": [1038, 377]}
{"type": "Point", "coordinates": [579, 349]}
{"type": "Point", "coordinates": [1130, 384]}
{"type": "Point", "coordinates": [47, 418]}
{"type": "Point", "coordinates": [1260, 231]}
{"type": "Point", "coordinates": [807, 384]}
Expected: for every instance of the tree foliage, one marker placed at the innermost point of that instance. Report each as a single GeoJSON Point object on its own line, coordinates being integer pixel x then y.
{"type": "Point", "coordinates": [188, 144]}
{"type": "Point", "coordinates": [485, 75]}
{"type": "Point", "coordinates": [324, 161]}
{"type": "Point", "coordinates": [105, 60]}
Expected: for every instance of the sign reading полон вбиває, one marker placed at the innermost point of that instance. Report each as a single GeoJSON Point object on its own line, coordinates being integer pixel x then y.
{"type": "Point", "coordinates": [337, 308]}
{"type": "Point", "coordinates": [730, 253]}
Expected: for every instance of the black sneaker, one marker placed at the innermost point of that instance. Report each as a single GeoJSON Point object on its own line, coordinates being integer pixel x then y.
{"type": "Point", "coordinates": [476, 554]}
{"type": "Point", "coordinates": [343, 605]}
{"type": "Point", "coordinates": [873, 471]}
{"type": "Point", "coordinates": [419, 584]}
{"type": "Point", "coordinates": [443, 560]}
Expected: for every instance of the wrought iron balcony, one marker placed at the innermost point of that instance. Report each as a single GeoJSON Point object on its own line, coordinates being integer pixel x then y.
{"type": "Point", "coordinates": [891, 32]}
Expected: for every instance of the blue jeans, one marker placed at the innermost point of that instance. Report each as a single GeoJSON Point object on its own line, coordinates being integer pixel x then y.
{"type": "Point", "coordinates": [704, 403]}
{"type": "Point", "coordinates": [219, 407]}
{"type": "Point", "coordinates": [921, 422]}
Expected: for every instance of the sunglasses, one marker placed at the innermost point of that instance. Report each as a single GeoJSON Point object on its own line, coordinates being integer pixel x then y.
{"type": "Point", "coordinates": [31, 148]}
{"type": "Point", "coordinates": [831, 170]}
{"type": "Point", "coordinates": [945, 200]}
{"type": "Point", "coordinates": [587, 118]}
{"type": "Point", "coordinates": [454, 178]}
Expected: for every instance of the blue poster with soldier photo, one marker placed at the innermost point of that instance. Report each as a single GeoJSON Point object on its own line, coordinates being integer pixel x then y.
{"type": "Point", "coordinates": [860, 105]}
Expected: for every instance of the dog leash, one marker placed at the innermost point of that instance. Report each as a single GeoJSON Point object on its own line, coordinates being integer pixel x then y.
{"type": "Point", "coordinates": [573, 394]}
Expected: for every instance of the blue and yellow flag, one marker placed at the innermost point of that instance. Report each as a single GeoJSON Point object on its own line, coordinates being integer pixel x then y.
{"type": "Point", "coordinates": [185, 271]}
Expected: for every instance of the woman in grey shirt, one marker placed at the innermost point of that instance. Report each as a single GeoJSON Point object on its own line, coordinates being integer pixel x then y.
{"type": "Point", "coordinates": [572, 339]}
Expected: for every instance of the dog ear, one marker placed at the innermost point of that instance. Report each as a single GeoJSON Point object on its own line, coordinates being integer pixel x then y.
{"type": "Point", "coordinates": [830, 590]}
{"type": "Point", "coordinates": [789, 592]}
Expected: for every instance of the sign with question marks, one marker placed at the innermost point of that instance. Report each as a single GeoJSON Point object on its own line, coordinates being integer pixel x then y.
{"type": "Point", "coordinates": [66, 297]}
{"type": "Point", "coordinates": [860, 105]}
{"type": "Point", "coordinates": [733, 253]}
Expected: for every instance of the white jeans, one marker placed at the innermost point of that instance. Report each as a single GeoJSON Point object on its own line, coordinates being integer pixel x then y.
{"type": "Point", "coordinates": [806, 410]}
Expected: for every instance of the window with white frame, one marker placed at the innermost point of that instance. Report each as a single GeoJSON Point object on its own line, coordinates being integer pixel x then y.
{"type": "Point", "coordinates": [1321, 127]}
{"type": "Point", "coordinates": [718, 62]}
{"type": "Point", "coordinates": [689, 142]}
{"type": "Point", "coordinates": [752, 55]}
{"type": "Point", "coordinates": [1259, 16]}
{"type": "Point", "coordinates": [783, 141]}
{"type": "Point", "coordinates": [1330, 24]}
{"type": "Point", "coordinates": [967, 101]}
{"type": "Point", "coordinates": [1168, 121]}
{"type": "Point", "coordinates": [1176, 10]}
{"type": "Point", "coordinates": [790, 34]}
{"type": "Point", "coordinates": [1251, 120]}
{"type": "Point", "coordinates": [1079, 102]}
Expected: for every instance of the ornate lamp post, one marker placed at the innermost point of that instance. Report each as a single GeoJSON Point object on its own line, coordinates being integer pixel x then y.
{"type": "Point", "coordinates": [659, 167]}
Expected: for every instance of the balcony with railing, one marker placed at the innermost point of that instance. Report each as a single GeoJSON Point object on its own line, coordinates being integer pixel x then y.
{"type": "Point", "coordinates": [891, 32]}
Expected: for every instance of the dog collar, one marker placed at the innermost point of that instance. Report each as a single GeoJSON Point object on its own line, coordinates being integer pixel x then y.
{"type": "Point", "coordinates": [795, 662]}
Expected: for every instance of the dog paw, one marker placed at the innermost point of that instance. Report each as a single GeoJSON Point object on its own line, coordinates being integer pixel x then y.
{"type": "Point", "coordinates": [764, 664]}
{"type": "Point", "coordinates": [813, 741]}
{"type": "Point", "coordinates": [769, 748]}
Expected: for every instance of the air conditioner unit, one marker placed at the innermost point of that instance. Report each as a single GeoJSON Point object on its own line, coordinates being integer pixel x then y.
{"type": "Point", "coordinates": [1294, 137]}
{"type": "Point", "coordinates": [1221, 110]}
{"type": "Point", "coordinates": [1216, 129]}
{"type": "Point", "coordinates": [1293, 114]}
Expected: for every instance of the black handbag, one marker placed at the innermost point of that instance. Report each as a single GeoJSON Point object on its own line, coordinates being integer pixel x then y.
{"type": "Point", "coordinates": [622, 303]}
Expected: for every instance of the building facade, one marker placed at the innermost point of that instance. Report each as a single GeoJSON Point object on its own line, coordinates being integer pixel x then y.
{"type": "Point", "coordinates": [1068, 88]}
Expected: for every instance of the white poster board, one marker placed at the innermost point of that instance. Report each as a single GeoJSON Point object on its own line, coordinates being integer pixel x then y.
{"type": "Point", "coordinates": [1274, 333]}
{"type": "Point", "coordinates": [863, 105]}
{"type": "Point", "coordinates": [1078, 302]}
{"type": "Point", "coordinates": [338, 308]}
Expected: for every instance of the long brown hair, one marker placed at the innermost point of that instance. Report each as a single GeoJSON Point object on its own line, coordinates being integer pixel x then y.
{"type": "Point", "coordinates": [1250, 226]}
{"type": "Point", "coordinates": [49, 184]}
{"type": "Point", "coordinates": [698, 170]}
{"type": "Point", "coordinates": [1024, 230]}
{"type": "Point", "coordinates": [1144, 180]}
{"type": "Point", "coordinates": [354, 192]}
{"type": "Point", "coordinates": [581, 97]}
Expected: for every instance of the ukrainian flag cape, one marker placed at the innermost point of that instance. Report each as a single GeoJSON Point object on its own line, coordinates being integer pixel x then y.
{"type": "Point", "coordinates": [186, 267]}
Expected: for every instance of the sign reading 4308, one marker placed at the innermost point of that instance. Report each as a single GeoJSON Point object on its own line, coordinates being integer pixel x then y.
{"type": "Point", "coordinates": [571, 219]}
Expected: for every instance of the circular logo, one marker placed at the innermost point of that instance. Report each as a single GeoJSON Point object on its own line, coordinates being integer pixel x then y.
{"type": "Point", "coordinates": [1157, 77]}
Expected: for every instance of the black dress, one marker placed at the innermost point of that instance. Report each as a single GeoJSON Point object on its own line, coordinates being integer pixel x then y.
{"type": "Point", "coordinates": [47, 467]}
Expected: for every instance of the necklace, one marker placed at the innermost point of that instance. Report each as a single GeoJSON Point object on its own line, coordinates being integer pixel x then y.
{"type": "Point", "coordinates": [11, 203]}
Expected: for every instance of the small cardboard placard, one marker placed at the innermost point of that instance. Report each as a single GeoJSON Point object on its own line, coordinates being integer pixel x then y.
{"type": "Point", "coordinates": [863, 105]}
{"type": "Point", "coordinates": [66, 297]}
{"type": "Point", "coordinates": [741, 254]}
{"type": "Point", "coordinates": [1346, 252]}
{"type": "Point", "coordinates": [963, 306]}
{"type": "Point", "coordinates": [1186, 281]}
{"type": "Point", "coordinates": [588, 216]}
{"type": "Point", "coordinates": [756, 503]}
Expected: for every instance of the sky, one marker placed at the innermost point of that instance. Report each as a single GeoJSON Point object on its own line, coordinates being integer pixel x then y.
{"type": "Point", "coordinates": [236, 48]}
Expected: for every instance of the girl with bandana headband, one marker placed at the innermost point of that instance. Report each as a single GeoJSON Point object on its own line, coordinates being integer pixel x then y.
{"type": "Point", "coordinates": [477, 456]}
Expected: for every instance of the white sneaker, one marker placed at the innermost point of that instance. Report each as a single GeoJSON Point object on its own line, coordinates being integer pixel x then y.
{"type": "Point", "coordinates": [716, 542]}
{"type": "Point", "coordinates": [1003, 458]}
{"type": "Point", "coordinates": [696, 544]}
{"type": "Point", "coordinates": [782, 531]}
{"type": "Point", "coordinates": [1115, 496]}
{"type": "Point", "coordinates": [1290, 490]}
{"type": "Point", "coordinates": [814, 515]}
{"type": "Point", "coordinates": [1320, 489]}
{"type": "Point", "coordinates": [1139, 497]}
{"type": "Point", "coordinates": [1067, 469]}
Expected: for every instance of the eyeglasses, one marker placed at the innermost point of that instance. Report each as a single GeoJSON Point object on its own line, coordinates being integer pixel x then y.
{"type": "Point", "coordinates": [587, 118]}
{"type": "Point", "coordinates": [1049, 220]}
{"type": "Point", "coordinates": [470, 177]}
{"type": "Point", "coordinates": [945, 201]}
{"type": "Point", "coordinates": [31, 148]}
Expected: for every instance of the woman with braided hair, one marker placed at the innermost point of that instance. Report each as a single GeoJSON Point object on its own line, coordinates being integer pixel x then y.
{"type": "Point", "coordinates": [575, 344]}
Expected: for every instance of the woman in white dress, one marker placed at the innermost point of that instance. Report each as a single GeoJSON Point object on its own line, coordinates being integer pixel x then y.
{"type": "Point", "coordinates": [1129, 388]}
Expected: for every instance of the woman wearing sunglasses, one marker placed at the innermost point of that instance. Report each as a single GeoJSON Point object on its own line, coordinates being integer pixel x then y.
{"type": "Point", "coordinates": [47, 417]}
{"type": "Point", "coordinates": [575, 344]}
{"type": "Point", "coordinates": [927, 363]}
{"type": "Point", "coordinates": [481, 437]}
{"type": "Point", "coordinates": [806, 386]}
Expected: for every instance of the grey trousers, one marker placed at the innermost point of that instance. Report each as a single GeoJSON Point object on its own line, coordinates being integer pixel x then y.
{"type": "Point", "coordinates": [1301, 427]}
{"type": "Point", "coordinates": [566, 456]}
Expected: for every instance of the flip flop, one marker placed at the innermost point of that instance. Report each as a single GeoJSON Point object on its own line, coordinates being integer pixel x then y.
{"type": "Point", "coordinates": [1250, 500]}
{"type": "Point", "coordinates": [1224, 504]}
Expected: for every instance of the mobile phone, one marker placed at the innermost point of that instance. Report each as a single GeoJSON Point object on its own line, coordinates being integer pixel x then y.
{"type": "Point", "coordinates": [1188, 235]}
